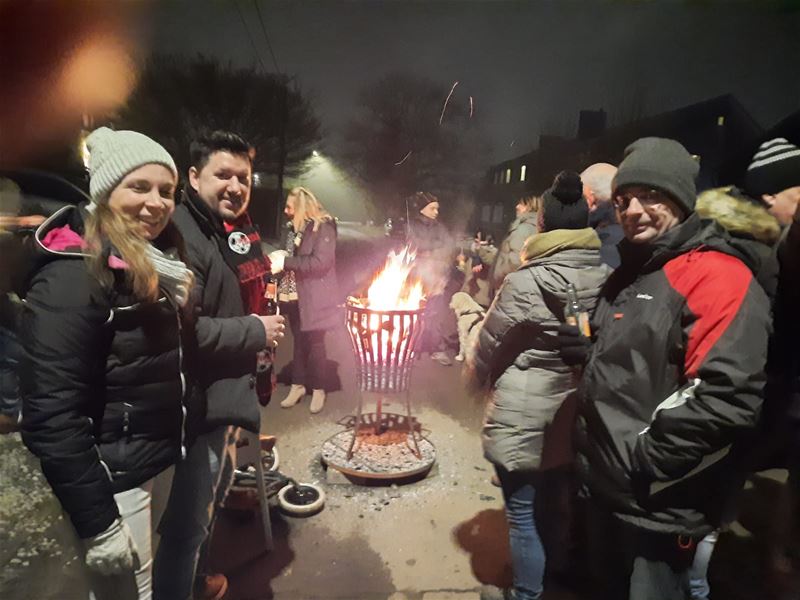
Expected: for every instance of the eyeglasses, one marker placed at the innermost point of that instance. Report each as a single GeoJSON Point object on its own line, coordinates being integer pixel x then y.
{"type": "Point", "coordinates": [647, 198]}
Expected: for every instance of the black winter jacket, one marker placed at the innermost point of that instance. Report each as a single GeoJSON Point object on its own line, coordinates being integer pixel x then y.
{"type": "Point", "coordinates": [227, 339]}
{"type": "Point", "coordinates": [101, 382]}
{"type": "Point", "coordinates": [684, 310]}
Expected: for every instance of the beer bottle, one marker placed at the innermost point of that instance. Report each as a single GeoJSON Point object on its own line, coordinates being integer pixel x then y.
{"type": "Point", "coordinates": [271, 297]}
{"type": "Point", "coordinates": [265, 359]}
{"type": "Point", "coordinates": [574, 312]}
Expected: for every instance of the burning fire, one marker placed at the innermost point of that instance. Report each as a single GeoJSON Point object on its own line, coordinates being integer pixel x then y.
{"type": "Point", "coordinates": [392, 289]}
{"type": "Point", "coordinates": [384, 336]}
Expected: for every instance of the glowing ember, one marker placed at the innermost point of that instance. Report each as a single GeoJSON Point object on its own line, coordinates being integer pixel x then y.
{"type": "Point", "coordinates": [393, 289]}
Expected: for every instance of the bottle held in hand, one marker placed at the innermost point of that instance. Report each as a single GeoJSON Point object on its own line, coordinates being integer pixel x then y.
{"type": "Point", "coordinates": [265, 359]}
{"type": "Point", "coordinates": [575, 314]}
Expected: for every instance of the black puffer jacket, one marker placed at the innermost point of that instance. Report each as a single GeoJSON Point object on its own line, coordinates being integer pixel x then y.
{"type": "Point", "coordinates": [684, 310]}
{"type": "Point", "coordinates": [101, 380]}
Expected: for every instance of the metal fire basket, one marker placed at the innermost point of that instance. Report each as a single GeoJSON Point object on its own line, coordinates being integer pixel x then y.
{"type": "Point", "coordinates": [385, 345]}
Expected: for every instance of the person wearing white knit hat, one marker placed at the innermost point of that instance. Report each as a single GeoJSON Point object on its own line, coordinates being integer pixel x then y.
{"type": "Point", "coordinates": [114, 154]}
{"type": "Point", "coordinates": [102, 376]}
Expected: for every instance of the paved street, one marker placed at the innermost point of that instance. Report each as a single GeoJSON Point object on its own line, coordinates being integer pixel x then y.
{"type": "Point", "coordinates": [438, 539]}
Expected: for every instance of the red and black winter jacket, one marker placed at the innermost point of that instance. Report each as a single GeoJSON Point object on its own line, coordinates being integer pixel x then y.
{"type": "Point", "coordinates": [684, 310]}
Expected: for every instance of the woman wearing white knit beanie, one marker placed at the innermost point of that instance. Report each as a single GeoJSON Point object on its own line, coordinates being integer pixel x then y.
{"type": "Point", "coordinates": [102, 379]}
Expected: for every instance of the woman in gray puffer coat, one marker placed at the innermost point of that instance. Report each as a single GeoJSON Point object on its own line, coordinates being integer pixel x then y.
{"type": "Point", "coordinates": [521, 228]}
{"type": "Point", "coordinates": [530, 415]}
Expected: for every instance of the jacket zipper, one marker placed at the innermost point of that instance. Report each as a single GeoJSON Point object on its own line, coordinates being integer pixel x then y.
{"type": "Point", "coordinates": [100, 456]}
{"type": "Point", "coordinates": [183, 383]}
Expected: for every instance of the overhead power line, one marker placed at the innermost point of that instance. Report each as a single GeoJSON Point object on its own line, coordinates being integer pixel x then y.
{"type": "Point", "coordinates": [266, 36]}
{"type": "Point", "coordinates": [252, 41]}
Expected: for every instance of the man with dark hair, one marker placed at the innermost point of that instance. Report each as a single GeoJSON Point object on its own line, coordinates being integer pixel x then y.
{"type": "Point", "coordinates": [224, 252]}
{"type": "Point", "coordinates": [674, 380]}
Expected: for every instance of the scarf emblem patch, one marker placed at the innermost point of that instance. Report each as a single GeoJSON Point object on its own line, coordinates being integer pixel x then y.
{"type": "Point", "coordinates": [239, 242]}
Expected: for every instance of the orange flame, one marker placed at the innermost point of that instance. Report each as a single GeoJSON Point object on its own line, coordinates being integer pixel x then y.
{"type": "Point", "coordinates": [392, 288]}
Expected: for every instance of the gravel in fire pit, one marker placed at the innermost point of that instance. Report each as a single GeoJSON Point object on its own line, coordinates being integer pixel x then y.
{"type": "Point", "coordinates": [386, 455]}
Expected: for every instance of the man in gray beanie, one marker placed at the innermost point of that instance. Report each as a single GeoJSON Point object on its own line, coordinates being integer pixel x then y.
{"type": "Point", "coordinates": [674, 379]}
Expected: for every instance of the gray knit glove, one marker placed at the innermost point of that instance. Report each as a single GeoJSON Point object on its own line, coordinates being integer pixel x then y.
{"type": "Point", "coordinates": [113, 551]}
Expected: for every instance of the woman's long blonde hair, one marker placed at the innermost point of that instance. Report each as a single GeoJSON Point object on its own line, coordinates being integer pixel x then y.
{"type": "Point", "coordinates": [307, 208]}
{"type": "Point", "coordinates": [104, 225]}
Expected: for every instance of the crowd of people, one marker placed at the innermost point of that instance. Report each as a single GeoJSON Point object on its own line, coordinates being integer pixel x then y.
{"type": "Point", "coordinates": [682, 381]}
{"type": "Point", "coordinates": [634, 340]}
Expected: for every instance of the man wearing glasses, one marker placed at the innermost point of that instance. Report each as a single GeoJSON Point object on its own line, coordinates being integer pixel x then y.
{"type": "Point", "coordinates": [673, 379]}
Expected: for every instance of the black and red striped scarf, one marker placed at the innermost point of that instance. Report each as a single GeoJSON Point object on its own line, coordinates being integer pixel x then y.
{"type": "Point", "coordinates": [247, 260]}
{"type": "Point", "coordinates": [240, 245]}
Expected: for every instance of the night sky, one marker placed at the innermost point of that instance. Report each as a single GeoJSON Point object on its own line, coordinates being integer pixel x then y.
{"type": "Point", "coordinates": [531, 66]}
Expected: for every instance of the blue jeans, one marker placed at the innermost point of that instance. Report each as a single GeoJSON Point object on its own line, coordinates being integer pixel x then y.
{"type": "Point", "coordinates": [200, 484]}
{"type": "Point", "coordinates": [527, 550]}
{"type": "Point", "coordinates": [629, 563]}
{"type": "Point", "coordinates": [698, 574]}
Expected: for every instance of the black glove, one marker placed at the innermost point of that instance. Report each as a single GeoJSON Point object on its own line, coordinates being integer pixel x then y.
{"type": "Point", "coordinates": [573, 347]}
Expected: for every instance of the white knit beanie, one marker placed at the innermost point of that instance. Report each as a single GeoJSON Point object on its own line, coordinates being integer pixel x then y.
{"type": "Point", "coordinates": [114, 154]}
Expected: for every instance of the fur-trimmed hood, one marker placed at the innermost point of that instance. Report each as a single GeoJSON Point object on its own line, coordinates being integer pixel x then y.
{"type": "Point", "coordinates": [752, 231]}
{"type": "Point", "coordinates": [739, 214]}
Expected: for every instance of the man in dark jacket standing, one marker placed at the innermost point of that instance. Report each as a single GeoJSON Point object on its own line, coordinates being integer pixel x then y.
{"type": "Point", "coordinates": [773, 177]}
{"type": "Point", "coordinates": [224, 252]}
{"type": "Point", "coordinates": [597, 180]}
{"type": "Point", "coordinates": [435, 266]}
{"type": "Point", "coordinates": [674, 379]}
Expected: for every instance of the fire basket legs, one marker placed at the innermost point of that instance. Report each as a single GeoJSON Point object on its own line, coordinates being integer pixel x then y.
{"type": "Point", "coordinates": [380, 426]}
{"type": "Point", "coordinates": [412, 430]}
{"type": "Point", "coordinates": [356, 426]}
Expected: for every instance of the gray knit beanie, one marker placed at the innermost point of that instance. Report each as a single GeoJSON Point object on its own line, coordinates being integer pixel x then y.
{"type": "Point", "coordinates": [663, 164]}
{"type": "Point", "coordinates": [114, 154]}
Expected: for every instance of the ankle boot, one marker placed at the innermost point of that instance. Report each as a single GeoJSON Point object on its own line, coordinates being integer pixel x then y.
{"type": "Point", "coordinates": [294, 396]}
{"type": "Point", "coordinates": [317, 401]}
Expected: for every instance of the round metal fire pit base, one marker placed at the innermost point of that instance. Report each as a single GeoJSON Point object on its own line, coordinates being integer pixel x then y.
{"type": "Point", "coordinates": [385, 455]}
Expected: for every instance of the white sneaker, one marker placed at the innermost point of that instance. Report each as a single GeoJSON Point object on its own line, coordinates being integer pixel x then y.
{"type": "Point", "coordinates": [317, 401]}
{"type": "Point", "coordinates": [460, 357]}
{"type": "Point", "coordinates": [294, 396]}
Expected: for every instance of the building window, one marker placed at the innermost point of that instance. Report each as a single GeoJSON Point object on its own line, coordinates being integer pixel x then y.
{"type": "Point", "coordinates": [720, 121]}
{"type": "Point", "coordinates": [497, 217]}
{"type": "Point", "coordinates": [508, 175]}
{"type": "Point", "coordinates": [522, 172]}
